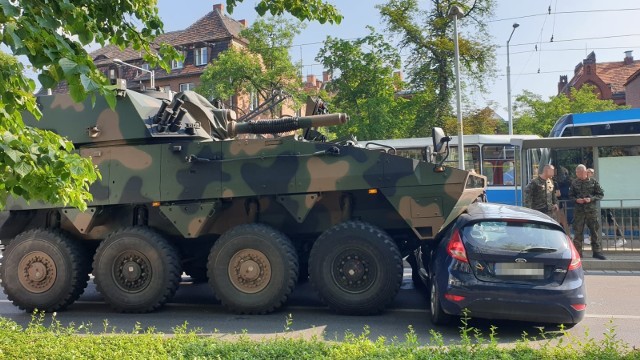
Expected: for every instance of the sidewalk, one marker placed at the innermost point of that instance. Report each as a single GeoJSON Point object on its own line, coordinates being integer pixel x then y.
{"type": "Point", "coordinates": [617, 260]}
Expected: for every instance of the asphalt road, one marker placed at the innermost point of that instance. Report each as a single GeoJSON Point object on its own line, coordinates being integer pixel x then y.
{"type": "Point", "coordinates": [612, 301]}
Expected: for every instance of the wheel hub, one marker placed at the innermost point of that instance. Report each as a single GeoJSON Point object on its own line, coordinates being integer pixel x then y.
{"type": "Point", "coordinates": [132, 271]}
{"type": "Point", "coordinates": [353, 271]}
{"type": "Point", "coordinates": [249, 271]}
{"type": "Point", "coordinates": [37, 272]}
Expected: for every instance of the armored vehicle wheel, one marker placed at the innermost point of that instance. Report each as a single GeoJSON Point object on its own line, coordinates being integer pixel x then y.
{"type": "Point", "coordinates": [136, 270]}
{"type": "Point", "coordinates": [356, 268]}
{"type": "Point", "coordinates": [43, 269]}
{"type": "Point", "coordinates": [253, 269]}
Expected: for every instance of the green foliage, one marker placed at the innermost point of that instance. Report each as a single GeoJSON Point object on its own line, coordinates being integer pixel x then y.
{"type": "Point", "coordinates": [427, 35]}
{"type": "Point", "coordinates": [533, 115]}
{"type": "Point", "coordinates": [264, 67]}
{"type": "Point", "coordinates": [302, 9]}
{"type": "Point", "coordinates": [44, 338]}
{"type": "Point", "coordinates": [40, 165]}
{"type": "Point", "coordinates": [365, 88]}
{"type": "Point", "coordinates": [477, 121]}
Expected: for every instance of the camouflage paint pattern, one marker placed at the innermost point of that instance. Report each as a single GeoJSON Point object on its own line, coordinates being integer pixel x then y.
{"type": "Point", "coordinates": [194, 183]}
{"type": "Point", "coordinates": [193, 174]}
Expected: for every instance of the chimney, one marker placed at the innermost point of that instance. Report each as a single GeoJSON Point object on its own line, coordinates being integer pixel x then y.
{"type": "Point", "coordinates": [562, 83]}
{"type": "Point", "coordinates": [311, 80]}
{"type": "Point", "coordinates": [326, 76]}
{"type": "Point", "coordinates": [243, 22]}
{"type": "Point", "coordinates": [219, 7]}
{"type": "Point", "coordinates": [628, 57]}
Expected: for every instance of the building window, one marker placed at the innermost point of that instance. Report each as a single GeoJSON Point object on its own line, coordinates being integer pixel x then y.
{"type": "Point", "coordinates": [200, 56]}
{"type": "Point", "coordinates": [187, 86]}
{"type": "Point", "coordinates": [145, 66]}
{"type": "Point", "coordinates": [177, 64]}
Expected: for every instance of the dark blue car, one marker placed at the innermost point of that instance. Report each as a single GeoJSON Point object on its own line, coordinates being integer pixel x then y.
{"type": "Point", "coordinates": [502, 262]}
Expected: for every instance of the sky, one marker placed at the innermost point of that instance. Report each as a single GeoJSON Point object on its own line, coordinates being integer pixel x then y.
{"type": "Point", "coordinates": [577, 26]}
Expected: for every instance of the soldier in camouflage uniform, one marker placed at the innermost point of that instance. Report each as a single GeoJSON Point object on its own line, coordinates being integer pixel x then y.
{"type": "Point", "coordinates": [586, 192]}
{"type": "Point", "coordinates": [540, 193]}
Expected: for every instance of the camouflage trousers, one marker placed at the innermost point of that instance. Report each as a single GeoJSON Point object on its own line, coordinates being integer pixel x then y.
{"type": "Point", "coordinates": [590, 218]}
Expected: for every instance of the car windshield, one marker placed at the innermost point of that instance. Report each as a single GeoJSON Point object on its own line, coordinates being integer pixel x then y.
{"type": "Point", "coordinates": [515, 236]}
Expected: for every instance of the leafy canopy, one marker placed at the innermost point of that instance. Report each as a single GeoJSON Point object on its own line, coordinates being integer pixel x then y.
{"type": "Point", "coordinates": [318, 10]}
{"type": "Point", "coordinates": [37, 164]}
{"type": "Point", "coordinates": [364, 86]}
{"type": "Point", "coordinates": [263, 67]}
{"type": "Point", "coordinates": [51, 34]}
{"type": "Point", "coordinates": [477, 121]}
{"type": "Point", "coordinates": [533, 115]}
{"type": "Point", "coordinates": [426, 34]}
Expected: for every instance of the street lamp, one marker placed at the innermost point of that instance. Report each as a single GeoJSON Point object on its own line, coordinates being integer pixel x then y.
{"type": "Point", "coordinates": [515, 26]}
{"type": "Point", "coordinates": [455, 12]}
{"type": "Point", "coordinates": [151, 72]}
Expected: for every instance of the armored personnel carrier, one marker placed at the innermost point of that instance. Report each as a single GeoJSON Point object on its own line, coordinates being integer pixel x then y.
{"type": "Point", "coordinates": [180, 192]}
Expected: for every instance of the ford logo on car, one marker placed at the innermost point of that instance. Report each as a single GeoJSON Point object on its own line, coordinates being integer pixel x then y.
{"type": "Point", "coordinates": [521, 260]}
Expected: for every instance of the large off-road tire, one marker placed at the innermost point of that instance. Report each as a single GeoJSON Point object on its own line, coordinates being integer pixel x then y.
{"type": "Point", "coordinates": [437, 315]}
{"type": "Point", "coordinates": [356, 268]}
{"type": "Point", "coordinates": [43, 269]}
{"type": "Point", "coordinates": [136, 270]}
{"type": "Point", "coordinates": [253, 269]}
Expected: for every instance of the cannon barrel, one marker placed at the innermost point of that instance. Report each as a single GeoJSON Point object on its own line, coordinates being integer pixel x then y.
{"type": "Point", "coordinates": [275, 126]}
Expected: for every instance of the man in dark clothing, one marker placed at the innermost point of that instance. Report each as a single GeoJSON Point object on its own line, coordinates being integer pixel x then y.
{"type": "Point", "coordinates": [540, 193]}
{"type": "Point", "coordinates": [586, 192]}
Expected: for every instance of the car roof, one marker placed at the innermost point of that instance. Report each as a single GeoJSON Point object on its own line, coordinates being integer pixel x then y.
{"type": "Point", "coordinates": [492, 211]}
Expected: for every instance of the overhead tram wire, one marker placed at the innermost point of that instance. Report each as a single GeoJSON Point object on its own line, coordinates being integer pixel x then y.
{"type": "Point", "coordinates": [571, 49]}
{"type": "Point", "coordinates": [563, 13]}
{"type": "Point", "coordinates": [537, 46]}
{"type": "Point", "coordinates": [578, 39]}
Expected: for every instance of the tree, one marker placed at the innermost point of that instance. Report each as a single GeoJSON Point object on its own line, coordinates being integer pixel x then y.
{"type": "Point", "coordinates": [533, 115]}
{"type": "Point", "coordinates": [264, 67]}
{"type": "Point", "coordinates": [427, 37]}
{"type": "Point", "coordinates": [37, 164]}
{"type": "Point", "coordinates": [364, 86]}
{"type": "Point", "coordinates": [301, 9]}
{"type": "Point", "coordinates": [477, 121]}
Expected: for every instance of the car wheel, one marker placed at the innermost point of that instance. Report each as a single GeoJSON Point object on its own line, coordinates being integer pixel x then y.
{"type": "Point", "coordinates": [356, 268]}
{"type": "Point", "coordinates": [253, 269]}
{"type": "Point", "coordinates": [43, 269]}
{"type": "Point", "coordinates": [136, 270]}
{"type": "Point", "coordinates": [438, 316]}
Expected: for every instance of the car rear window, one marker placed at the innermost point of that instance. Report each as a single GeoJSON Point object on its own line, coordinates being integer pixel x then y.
{"type": "Point", "coordinates": [515, 236]}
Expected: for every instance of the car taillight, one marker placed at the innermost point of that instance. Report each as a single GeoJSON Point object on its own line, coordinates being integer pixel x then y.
{"type": "Point", "coordinates": [455, 248]}
{"type": "Point", "coordinates": [454, 298]}
{"type": "Point", "coordinates": [576, 263]}
{"type": "Point", "coordinates": [579, 307]}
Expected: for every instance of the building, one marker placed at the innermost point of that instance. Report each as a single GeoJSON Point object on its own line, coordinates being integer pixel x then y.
{"type": "Point", "coordinates": [200, 44]}
{"type": "Point", "coordinates": [632, 90]}
{"type": "Point", "coordinates": [610, 79]}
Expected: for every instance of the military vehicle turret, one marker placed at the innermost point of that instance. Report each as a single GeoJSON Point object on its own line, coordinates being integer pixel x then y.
{"type": "Point", "coordinates": [180, 192]}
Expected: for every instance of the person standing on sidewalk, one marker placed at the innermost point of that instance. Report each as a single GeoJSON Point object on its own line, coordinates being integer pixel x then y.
{"type": "Point", "coordinates": [540, 193]}
{"type": "Point", "coordinates": [586, 192]}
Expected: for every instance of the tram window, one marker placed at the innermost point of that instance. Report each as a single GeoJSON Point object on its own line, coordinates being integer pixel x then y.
{"type": "Point", "coordinates": [471, 157]}
{"type": "Point", "coordinates": [499, 164]}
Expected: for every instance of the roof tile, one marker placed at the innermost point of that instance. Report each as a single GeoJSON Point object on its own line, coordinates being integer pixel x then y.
{"type": "Point", "coordinates": [209, 28]}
